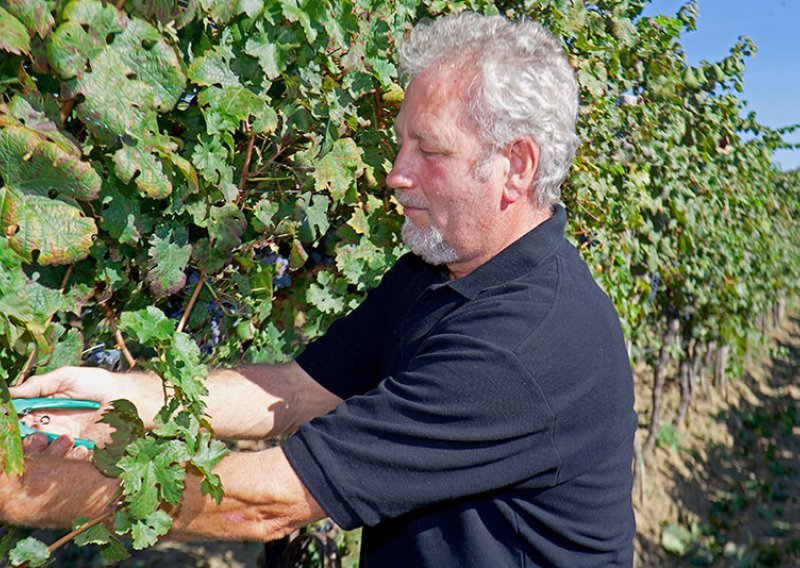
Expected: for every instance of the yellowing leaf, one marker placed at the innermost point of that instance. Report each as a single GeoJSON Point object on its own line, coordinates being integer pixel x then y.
{"type": "Point", "coordinates": [169, 254]}
{"type": "Point", "coordinates": [13, 35]}
{"type": "Point", "coordinates": [53, 231]}
{"type": "Point", "coordinates": [337, 171]}
{"type": "Point", "coordinates": [121, 65]}
{"type": "Point", "coordinates": [151, 181]}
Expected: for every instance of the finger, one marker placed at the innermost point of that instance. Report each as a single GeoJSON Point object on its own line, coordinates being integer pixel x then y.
{"type": "Point", "coordinates": [35, 443]}
{"type": "Point", "coordinates": [40, 385]}
{"type": "Point", "coordinates": [80, 453]}
{"type": "Point", "coordinates": [59, 447]}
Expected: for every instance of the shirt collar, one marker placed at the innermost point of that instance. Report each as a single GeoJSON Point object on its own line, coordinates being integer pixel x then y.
{"type": "Point", "coordinates": [518, 258]}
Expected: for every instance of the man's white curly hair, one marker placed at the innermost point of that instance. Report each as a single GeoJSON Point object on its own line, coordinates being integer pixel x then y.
{"type": "Point", "coordinates": [524, 85]}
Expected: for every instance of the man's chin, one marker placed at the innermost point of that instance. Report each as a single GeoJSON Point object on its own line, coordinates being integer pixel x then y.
{"type": "Point", "coordinates": [428, 244]}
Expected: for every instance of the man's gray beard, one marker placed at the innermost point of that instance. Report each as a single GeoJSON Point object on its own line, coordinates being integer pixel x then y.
{"type": "Point", "coordinates": [428, 244]}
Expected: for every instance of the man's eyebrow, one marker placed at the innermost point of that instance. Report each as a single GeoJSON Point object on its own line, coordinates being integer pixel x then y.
{"type": "Point", "coordinates": [419, 133]}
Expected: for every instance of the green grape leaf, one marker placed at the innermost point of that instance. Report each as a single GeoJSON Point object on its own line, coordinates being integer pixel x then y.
{"type": "Point", "coordinates": [211, 160]}
{"type": "Point", "coordinates": [384, 70]}
{"type": "Point", "coordinates": [127, 427]}
{"type": "Point", "coordinates": [111, 547]}
{"type": "Point", "coordinates": [320, 295]}
{"type": "Point", "coordinates": [294, 13]}
{"type": "Point", "coordinates": [67, 352]}
{"type": "Point", "coordinates": [43, 173]}
{"type": "Point", "coordinates": [123, 217]}
{"type": "Point", "coordinates": [29, 550]}
{"type": "Point", "coordinates": [209, 453]}
{"type": "Point", "coordinates": [35, 165]}
{"type": "Point", "coordinates": [184, 370]}
{"type": "Point", "coordinates": [152, 473]}
{"type": "Point", "coordinates": [31, 162]}
{"type": "Point", "coordinates": [360, 263]}
{"type": "Point", "coordinates": [214, 68]}
{"type": "Point", "coordinates": [297, 255]}
{"type": "Point", "coordinates": [264, 216]}
{"type": "Point", "coordinates": [151, 181]}
{"type": "Point", "coordinates": [316, 211]}
{"type": "Point", "coordinates": [226, 225]}
{"type": "Point", "coordinates": [25, 301]}
{"type": "Point", "coordinates": [150, 326]}
{"type": "Point", "coordinates": [121, 65]}
{"type": "Point", "coordinates": [268, 54]}
{"type": "Point", "coordinates": [145, 532]}
{"type": "Point", "coordinates": [184, 426]}
{"type": "Point", "coordinates": [337, 171]}
{"type": "Point", "coordinates": [220, 11]}
{"type": "Point", "coordinates": [225, 108]}
{"type": "Point", "coordinates": [169, 254]}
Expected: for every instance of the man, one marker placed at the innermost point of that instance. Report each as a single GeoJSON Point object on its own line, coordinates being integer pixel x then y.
{"type": "Point", "coordinates": [477, 408]}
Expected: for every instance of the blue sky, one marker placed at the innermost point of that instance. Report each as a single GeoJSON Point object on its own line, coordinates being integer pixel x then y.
{"type": "Point", "coordinates": [772, 78]}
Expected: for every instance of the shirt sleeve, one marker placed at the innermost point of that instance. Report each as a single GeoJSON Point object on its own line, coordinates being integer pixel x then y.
{"type": "Point", "coordinates": [466, 417]}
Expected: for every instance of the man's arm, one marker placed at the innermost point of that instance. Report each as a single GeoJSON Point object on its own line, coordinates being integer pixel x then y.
{"type": "Point", "coordinates": [264, 499]}
{"type": "Point", "coordinates": [254, 401]}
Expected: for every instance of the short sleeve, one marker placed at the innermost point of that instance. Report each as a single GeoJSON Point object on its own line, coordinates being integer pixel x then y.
{"type": "Point", "coordinates": [466, 417]}
{"type": "Point", "coordinates": [347, 359]}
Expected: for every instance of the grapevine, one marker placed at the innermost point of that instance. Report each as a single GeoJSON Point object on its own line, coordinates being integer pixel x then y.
{"type": "Point", "coordinates": [195, 184]}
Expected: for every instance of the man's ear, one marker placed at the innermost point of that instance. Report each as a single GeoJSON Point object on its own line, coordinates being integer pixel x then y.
{"type": "Point", "coordinates": [523, 159]}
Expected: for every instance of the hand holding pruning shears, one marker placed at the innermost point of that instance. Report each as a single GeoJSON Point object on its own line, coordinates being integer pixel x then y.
{"type": "Point", "coordinates": [66, 402]}
{"type": "Point", "coordinates": [26, 406]}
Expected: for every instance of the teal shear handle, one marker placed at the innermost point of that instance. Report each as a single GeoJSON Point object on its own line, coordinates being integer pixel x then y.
{"type": "Point", "coordinates": [24, 406]}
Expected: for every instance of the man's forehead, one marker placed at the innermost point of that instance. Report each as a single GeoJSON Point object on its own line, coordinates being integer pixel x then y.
{"type": "Point", "coordinates": [432, 98]}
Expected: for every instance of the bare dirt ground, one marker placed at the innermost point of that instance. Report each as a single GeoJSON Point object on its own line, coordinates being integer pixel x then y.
{"type": "Point", "coordinates": [724, 490]}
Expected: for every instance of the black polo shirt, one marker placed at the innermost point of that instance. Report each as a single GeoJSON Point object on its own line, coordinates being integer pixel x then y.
{"type": "Point", "coordinates": [487, 422]}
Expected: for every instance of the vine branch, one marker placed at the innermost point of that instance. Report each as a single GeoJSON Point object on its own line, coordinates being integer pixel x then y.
{"type": "Point", "coordinates": [197, 287]}
{"type": "Point", "coordinates": [107, 514]}
{"type": "Point", "coordinates": [118, 336]}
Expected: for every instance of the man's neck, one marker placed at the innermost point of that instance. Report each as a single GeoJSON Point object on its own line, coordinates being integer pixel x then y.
{"type": "Point", "coordinates": [513, 233]}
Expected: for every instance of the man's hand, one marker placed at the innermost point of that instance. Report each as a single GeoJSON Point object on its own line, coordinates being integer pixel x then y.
{"type": "Point", "coordinates": [85, 383]}
{"type": "Point", "coordinates": [249, 402]}
{"type": "Point", "coordinates": [61, 447]}
{"type": "Point", "coordinates": [264, 498]}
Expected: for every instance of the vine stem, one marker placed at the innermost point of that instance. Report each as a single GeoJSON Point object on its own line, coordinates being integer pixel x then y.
{"type": "Point", "coordinates": [378, 110]}
{"type": "Point", "coordinates": [247, 157]}
{"type": "Point", "coordinates": [112, 508]}
{"type": "Point", "coordinates": [118, 336]}
{"type": "Point", "coordinates": [25, 368]}
{"type": "Point", "coordinates": [192, 300]}
{"type": "Point", "coordinates": [81, 529]}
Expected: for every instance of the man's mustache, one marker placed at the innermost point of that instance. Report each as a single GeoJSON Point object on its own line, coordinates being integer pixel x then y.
{"type": "Point", "coordinates": [408, 201]}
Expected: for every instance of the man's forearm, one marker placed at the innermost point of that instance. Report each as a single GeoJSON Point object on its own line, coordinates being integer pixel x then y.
{"type": "Point", "coordinates": [264, 499]}
{"type": "Point", "coordinates": [53, 492]}
{"type": "Point", "coordinates": [248, 402]}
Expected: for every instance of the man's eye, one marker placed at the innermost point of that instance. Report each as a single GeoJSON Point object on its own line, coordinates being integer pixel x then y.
{"type": "Point", "coordinates": [429, 153]}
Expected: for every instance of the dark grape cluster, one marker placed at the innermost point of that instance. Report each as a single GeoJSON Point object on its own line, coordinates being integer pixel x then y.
{"type": "Point", "coordinates": [655, 280]}
{"type": "Point", "coordinates": [282, 278]}
{"type": "Point", "coordinates": [102, 357]}
{"type": "Point", "coordinates": [211, 340]}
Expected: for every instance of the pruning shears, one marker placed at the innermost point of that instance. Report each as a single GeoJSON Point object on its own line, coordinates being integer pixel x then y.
{"type": "Point", "coordinates": [25, 406]}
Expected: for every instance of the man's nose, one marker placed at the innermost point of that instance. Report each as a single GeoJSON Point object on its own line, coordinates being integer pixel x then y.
{"type": "Point", "coordinates": [400, 176]}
